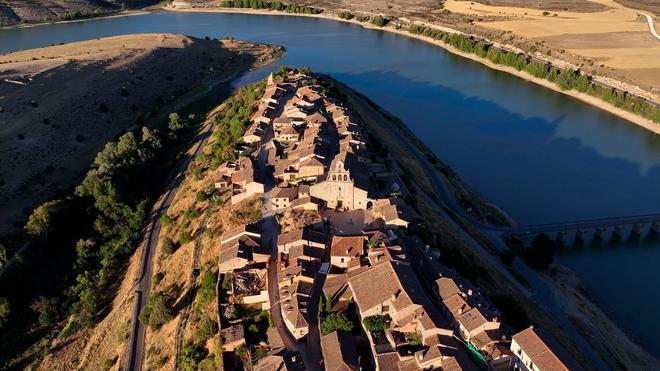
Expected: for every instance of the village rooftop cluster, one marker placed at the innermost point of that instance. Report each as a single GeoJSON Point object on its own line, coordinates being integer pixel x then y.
{"type": "Point", "coordinates": [335, 239]}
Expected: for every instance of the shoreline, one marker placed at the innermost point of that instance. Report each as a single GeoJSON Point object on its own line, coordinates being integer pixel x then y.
{"type": "Point", "coordinates": [581, 310]}
{"type": "Point", "coordinates": [591, 100]}
{"type": "Point", "coordinates": [124, 13]}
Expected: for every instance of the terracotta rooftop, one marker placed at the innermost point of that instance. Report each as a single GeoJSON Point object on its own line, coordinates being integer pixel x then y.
{"type": "Point", "coordinates": [537, 350]}
{"type": "Point", "coordinates": [289, 193]}
{"type": "Point", "coordinates": [249, 229]}
{"type": "Point", "coordinates": [304, 234]}
{"type": "Point", "coordinates": [339, 351]}
{"type": "Point", "coordinates": [348, 246]}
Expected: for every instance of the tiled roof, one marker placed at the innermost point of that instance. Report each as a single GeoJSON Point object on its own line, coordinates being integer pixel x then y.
{"type": "Point", "coordinates": [349, 246]}
{"type": "Point", "coordinates": [536, 349]}
{"type": "Point", "coordinates": [339, 351]}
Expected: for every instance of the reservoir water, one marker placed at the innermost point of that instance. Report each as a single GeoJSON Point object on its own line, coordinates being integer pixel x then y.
{"type": "Point", "coordinates": [541, 156]}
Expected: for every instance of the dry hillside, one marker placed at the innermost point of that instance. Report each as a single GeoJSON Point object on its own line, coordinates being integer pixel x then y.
{"type": "Point", "coordinates": [59, 105]}
{"type": "Point", "coordinates": [32, 11]}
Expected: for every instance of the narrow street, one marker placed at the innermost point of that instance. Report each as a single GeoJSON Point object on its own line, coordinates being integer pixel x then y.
{"type": "Point", "coordinates": [269, 233]}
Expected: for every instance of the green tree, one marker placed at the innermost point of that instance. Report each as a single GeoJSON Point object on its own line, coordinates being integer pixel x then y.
{"type": "Point", "coordinates": [336, 321]}
{"type": "Point", "coordinates": [168, 247]}
{"type": "Point", "coordinates": [176, 122]}
{"type": "Point", "coordinates": [206, 292]}
{"type": "Point", "coordinates": [375, 323]}
{"type": "Point", "coordinates": [157, 312]}
{"type": "Point", "coordinates": [87, 305]}
{"type": "Point", "coordinates": [192, 355]}
{"type": "Point", "coordinates": [414, 339]}
{"type": "Point", "coordinates": [47, 310]}
{"type": "Point", "coordinates": [85, 253]}
{"type": "Point", "coordinates": [380, 21]}
{"type": "Point", "coordinates": [3, 255]}
{"type": "Point", "coordinates": [39, 222]}
{"type": "Point", "coordinates": [4, 311]}
{"type": "Point", "coordinates": [541, 255]}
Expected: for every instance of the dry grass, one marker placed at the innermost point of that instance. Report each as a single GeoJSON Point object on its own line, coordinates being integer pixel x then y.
{"type": "Point", "coordinates": [90, 348]}
{"type": "Point", "coordinates": [615, 36]}
{"type": "Point", "coordinates": [83, 95]}
{"type": "Point", "coordinates": [214, 217]}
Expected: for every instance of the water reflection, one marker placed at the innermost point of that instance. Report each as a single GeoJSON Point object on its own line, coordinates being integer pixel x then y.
{"type": "Point", "coordinates": [541, 156]}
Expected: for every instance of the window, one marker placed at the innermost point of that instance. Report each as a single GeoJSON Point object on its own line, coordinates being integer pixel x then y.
{"type": "Point", "coordinates": [342, 260]}
{"type": "Point", "coordinates": [345, 177]}
{"type": "Point", "coordinates": [334, 177]}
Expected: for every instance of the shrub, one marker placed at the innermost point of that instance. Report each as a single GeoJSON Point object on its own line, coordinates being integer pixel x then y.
{"type": "Point", "coordinates": [124, 331]}
{"type": "Point", "coordinates": [192, 355]}
{"type": "Point", "coordinates": [157, 312]}
{"type": "Point", "coordinates": [345, 15]}
{"type": "Point", "coordinates": [206, 329]}
{"type": "Point", "coordinates": [176, 122]}
{"type": "Point", "coordinates": [206, 292]}
{"type": "Point", "coordinates": [165, 220]}
{"type": "Point", "coordinates": [208, 364]}
{"type": "Point", "coordinates": [108, 363]}
{"type": "Point", "coordinates": [185, 237]}
{"type": "Point", "coordinates": [192, 213]}
{"type": "Point", "coordinates": [4, 311]}
{"type": "Point", "coordinates": [156, 278]}
{"type": "Point", "coordinates": [266, 314]}
{"type": "Point", "coordinates": [380, 21]}
{"type": "Point", "coordinates": [375, 323]}
{"type": "Point", "coordinates": [201, 196]}
{"type": "Point", "coordinates": [226, 281]}
{"type": "Point", "coordinates": [47, 310]}
{"type": "Point", "coordinates": [168, 247]}
{"type": "Point", "coordinates": [414, 339]}
{"type": "Point", "coordinates": [336, 321]}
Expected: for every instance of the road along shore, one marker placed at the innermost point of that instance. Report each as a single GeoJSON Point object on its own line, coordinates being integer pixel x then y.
{"type": "Point", "coordinates": [596, 102]}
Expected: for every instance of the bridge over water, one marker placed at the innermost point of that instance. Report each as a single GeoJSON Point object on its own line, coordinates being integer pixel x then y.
{"type": "Point", "coordinates": [638, 225]}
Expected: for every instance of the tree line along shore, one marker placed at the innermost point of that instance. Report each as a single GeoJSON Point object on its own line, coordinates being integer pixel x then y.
{"type": "Point", "coordinates": [565, 80]}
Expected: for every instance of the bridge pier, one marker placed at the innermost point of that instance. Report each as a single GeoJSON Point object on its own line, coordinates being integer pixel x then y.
{"type": "Point", "coordinates": [618, 232]}
{"type": "Point", "coordinates": [655, 228]}
{"type": "Point", "coordinates": [599, 234]}
{"type": "Point", "coordinates": [560, 238]}
{"type": "Point", "coordinates": [580, 235]}
{"type": "Point", "coordinates": [637, 230]}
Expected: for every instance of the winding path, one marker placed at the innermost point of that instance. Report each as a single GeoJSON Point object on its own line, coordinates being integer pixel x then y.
{"type": "Point", "coordinates": [649, 20]}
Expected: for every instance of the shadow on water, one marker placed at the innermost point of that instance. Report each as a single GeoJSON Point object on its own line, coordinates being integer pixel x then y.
{"type": "Point", "coordinates": [519, 163]}
{"type": "Point", "coordinates": [541, 156]}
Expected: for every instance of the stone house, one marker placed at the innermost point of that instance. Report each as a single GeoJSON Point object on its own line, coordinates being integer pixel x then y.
{"type": "Point", "coordinates": [530, 352]}
{"type": "Point", "coordinates": [345, 186]}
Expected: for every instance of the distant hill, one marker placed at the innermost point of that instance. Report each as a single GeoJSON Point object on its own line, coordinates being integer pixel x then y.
{"type": "Point", "coordinates": [34, 11]}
